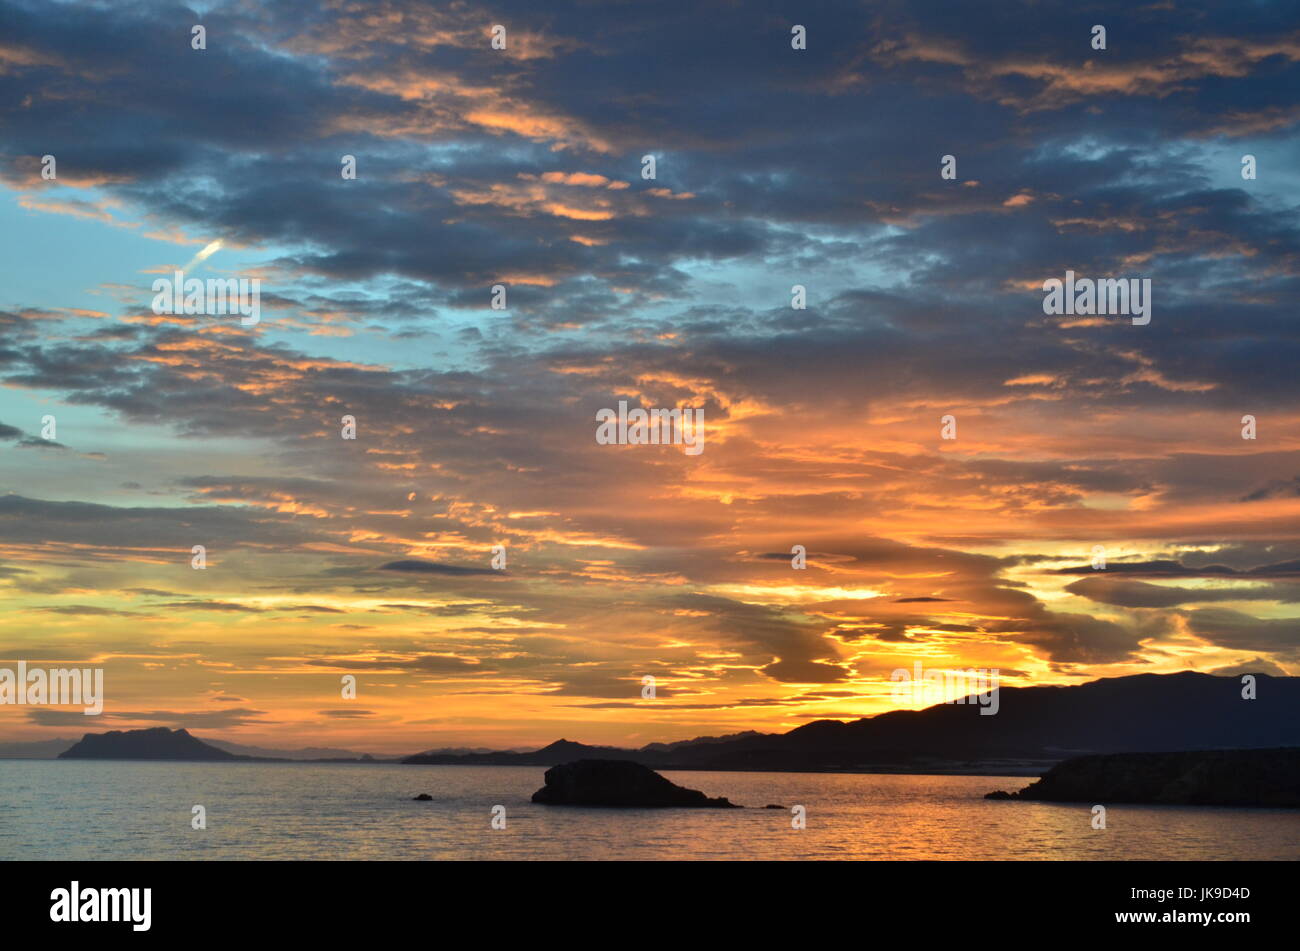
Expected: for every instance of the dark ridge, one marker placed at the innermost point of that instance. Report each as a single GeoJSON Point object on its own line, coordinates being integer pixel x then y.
{"type": "Point", "coordinates": [1033, 728]}
{"type": "Point", "coordinates": [1266, 778]}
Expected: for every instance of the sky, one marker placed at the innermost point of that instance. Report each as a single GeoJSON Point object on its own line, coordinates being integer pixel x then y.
{"type": "Point", "coordinates": [475, 427]}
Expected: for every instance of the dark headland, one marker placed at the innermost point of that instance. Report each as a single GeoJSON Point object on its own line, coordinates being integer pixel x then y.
{"type": "Point", "coordinates": [1266, 778]}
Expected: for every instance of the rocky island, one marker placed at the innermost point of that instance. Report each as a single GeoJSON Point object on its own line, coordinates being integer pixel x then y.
{"type": "Point", "coordinates": [620, 784]}
{"type": "Point", "coordinates": [156, 743]}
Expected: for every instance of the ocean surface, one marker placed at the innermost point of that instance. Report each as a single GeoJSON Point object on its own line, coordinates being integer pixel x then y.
{"type": "Point", "coordinates": [58, 809]}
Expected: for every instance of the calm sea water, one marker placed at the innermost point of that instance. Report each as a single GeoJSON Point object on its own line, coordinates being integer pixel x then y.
{"type": "Point", "coordinates": [115, 810]}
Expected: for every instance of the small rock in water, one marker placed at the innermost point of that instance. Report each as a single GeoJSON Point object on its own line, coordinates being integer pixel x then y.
{"type": "Point", "coordinates": [423, 797]}
{"type": "Point", "coordinates": [770, 806]}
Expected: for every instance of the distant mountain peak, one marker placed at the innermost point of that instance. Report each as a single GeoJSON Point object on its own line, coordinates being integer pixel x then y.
{"type": "Point", "coordinates": [154, 743]}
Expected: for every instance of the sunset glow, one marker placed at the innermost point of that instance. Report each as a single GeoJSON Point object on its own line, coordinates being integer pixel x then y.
{"type": "Point", "coordinates": [475, 426]}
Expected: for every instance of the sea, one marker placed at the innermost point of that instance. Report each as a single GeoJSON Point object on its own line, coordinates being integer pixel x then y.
{"type": "Point", "coordinates": [103, 809]}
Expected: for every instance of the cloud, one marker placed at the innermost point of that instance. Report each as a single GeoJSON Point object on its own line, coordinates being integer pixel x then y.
{"type": "Point", "coordinates": [1140, 594]}
{"type": "Point", "coordinates": [433, 568]}
{"type": "Point", "coordinates": [208, 719]}
{"type": "Point", "coordinates": [1238, 631]}
{"type": "Point", "coordinates": [475, 425]}
{"type": "Point", "coordinates": [425, 663]}
{"type": "Point", "coordinates": [1257, 665]}
{"type": "Point", "coordinates": [86, 610]}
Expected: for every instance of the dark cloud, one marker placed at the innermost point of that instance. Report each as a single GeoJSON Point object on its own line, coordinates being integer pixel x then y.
{"type": "Point", "coordinates": [1140, 594]}
{"type": "Point", "coordinates": [434, 568]}
{"type": "Point", "coordinates": [210, 719]}
{"type": "Point", "coordinates": [1178, 569]}
{"type": "Point", "coordinates": [803, 654]}
{"type": "Point", "coordinates": [1257, 665]}
{"type": "Point", "coordinates": [1238, 631]}
{"type": "Point", "coordinates": [87, 610]}
{"type": "Point", "coordinates": [211, 606]}
{"type": "Point", "coordinates": [427, 663]}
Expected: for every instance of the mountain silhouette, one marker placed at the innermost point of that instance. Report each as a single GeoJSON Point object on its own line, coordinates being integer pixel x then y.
{"type": "Point", "coordinates": [1033, 728]}
{"type": "Point", "coordinates": [155, 743]}
{"type": "Point", "coordinates": [1033, 725]}
{"type": "Point", "coordinates": [553, 754]}
{"type": "Point", "coordinates": [309, 754]}
{"type": "Point", "coordinates": [162, 743]}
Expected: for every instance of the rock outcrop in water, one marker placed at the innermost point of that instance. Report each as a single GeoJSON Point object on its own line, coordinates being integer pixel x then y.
{"type": "Point", "coordinates": [1269, 778]}
{"type": "Point", "coordinates": [618, 783]}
